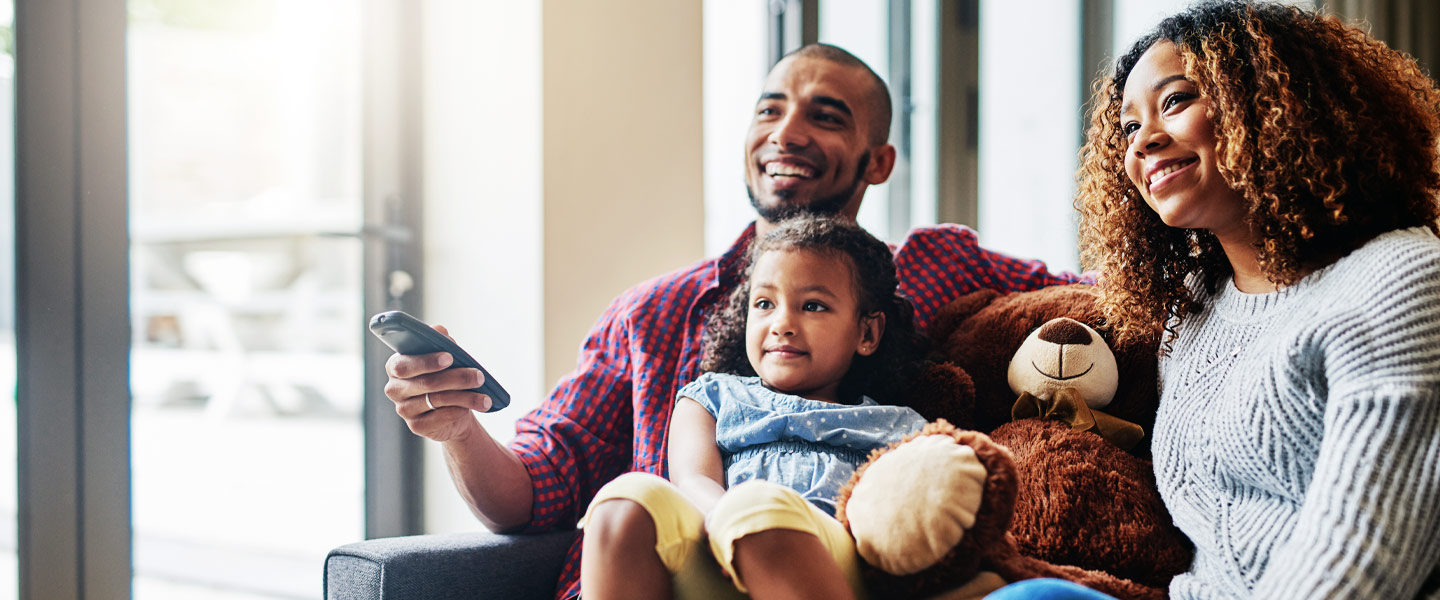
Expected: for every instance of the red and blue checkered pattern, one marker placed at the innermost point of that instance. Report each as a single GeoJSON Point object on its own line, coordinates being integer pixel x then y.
{"type": "Point", "coordinates": [611, 415]}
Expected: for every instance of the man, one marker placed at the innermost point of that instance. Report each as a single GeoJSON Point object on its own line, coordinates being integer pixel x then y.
{"type": "Point", "coordinates": [817, 141]}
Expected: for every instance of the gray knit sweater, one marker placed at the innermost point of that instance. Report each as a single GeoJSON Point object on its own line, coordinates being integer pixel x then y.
{"type": "Point", "coordinates": [1298, 437]}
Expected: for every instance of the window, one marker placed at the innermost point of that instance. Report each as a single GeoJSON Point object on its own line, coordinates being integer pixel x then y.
{"type": "Point", "coordinates": [246, 304]}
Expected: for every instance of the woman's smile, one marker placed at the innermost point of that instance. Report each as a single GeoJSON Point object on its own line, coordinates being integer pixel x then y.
{"type": "Point", "coordinates": [1167, 171]}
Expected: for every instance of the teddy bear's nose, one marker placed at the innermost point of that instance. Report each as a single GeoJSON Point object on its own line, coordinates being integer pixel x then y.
{"type": "Point", "coordinates": [1064, 331]}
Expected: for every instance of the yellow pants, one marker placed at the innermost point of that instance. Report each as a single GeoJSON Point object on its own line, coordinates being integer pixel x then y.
{"type": "Point", "coordinates": [682, 534]}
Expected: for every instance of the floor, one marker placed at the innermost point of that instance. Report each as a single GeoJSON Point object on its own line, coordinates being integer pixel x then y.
{"type": "Point", "coordinates": [240, 506]}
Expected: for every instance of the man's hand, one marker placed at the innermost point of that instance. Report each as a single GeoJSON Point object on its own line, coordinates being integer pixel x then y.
{"type": "Point", "coordinates": [436, 403]}
{"type": "Point", "coordinates": [435, 400]}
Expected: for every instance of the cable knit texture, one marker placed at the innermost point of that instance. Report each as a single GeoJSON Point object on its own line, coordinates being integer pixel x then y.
{"type": "Point", "coordinates": [1298, 437]}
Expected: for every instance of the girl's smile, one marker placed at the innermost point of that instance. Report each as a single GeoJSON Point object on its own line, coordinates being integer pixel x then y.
{"type": "Point", "coordinates": [785, 351]}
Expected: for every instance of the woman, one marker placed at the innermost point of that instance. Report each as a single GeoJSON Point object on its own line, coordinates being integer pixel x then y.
{"type": "Point", "coordinates": [1259, 188]}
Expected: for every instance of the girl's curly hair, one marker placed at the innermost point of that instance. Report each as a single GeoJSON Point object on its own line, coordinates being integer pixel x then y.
{"type": "Point", "coordinates": [1328, 134]}
{"type": "Point", "coordinates": [882, 375]}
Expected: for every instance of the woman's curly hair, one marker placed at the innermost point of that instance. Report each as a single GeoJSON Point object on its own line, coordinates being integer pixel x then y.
{"type": "Point", "coordinates": [1328, 134]}
{"type": "Point", "coordinates": [882, 375]}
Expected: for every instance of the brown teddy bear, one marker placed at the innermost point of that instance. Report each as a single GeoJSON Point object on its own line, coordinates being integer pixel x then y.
{"type": "Point", "coordinates": [1060, 487]}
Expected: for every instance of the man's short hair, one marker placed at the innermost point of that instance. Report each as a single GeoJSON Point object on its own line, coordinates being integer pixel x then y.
{"type": "Point", "coordinates": [878, 95]}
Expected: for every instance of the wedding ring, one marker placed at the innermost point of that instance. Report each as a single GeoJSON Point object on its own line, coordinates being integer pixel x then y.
{"type": "Point", "coordinates": [427, 402]}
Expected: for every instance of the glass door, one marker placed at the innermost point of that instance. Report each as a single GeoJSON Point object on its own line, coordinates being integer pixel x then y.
{"type": "Point", "coordinates": [245, 123]}
{"type": "Point", "coordinates": [9, 566]}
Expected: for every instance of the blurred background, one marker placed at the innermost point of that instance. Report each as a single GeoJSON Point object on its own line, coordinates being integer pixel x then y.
{"type": "Point", "coordinates": [272, 172]}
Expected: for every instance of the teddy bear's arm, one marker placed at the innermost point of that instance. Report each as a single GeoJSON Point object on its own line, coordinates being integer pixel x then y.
{"type": "Point", "coordinates": [927, 488]}
{"type": "Point", "coordinates": [943, 391]}
{"type": "Point", "coordinates": [916, 503]}
{"type": "Point", "coordinates": [955, 313]}
{"type": "Point", "coordinates": [917, 521]}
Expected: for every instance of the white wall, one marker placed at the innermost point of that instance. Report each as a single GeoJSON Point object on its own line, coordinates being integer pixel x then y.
{"type": "Point", "coordinates": [924, 112]}
{"type": "Point", "coordinates": [621, 154]}
{"type": "Point", "coordinates": [483, 195]}
{"type": "Point", "coordinates": [563, 165]}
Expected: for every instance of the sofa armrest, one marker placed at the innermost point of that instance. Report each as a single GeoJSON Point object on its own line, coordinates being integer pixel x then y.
{"type": "Point", "coordinates": [474, 566]}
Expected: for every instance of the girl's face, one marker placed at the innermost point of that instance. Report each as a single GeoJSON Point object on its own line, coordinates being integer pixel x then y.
{"type": "Point", "coordinates": [804, 324]}
{"type": "Point", "coordinates": [1171, 155]}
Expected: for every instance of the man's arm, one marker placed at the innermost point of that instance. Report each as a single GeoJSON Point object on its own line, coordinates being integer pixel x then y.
{"type": "Point", "coordinates": [579, 438]}
{"type": "Point", "coordinates": [490, 477]}
{"type": "Point", "coordinates": [564, 450]}
{"type": "Point", "coordinates": [941, 263]}
{"type": "Point", "coordinates": [492, 480]}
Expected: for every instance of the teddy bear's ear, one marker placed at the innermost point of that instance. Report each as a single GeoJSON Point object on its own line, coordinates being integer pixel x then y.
{"type": "Point", "coordinates": [955, 313]}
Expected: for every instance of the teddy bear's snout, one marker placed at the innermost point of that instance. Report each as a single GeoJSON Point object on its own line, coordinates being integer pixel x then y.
{"type": "Point", "coordinates": [1065, 332]}
{"type": "Point", "coordinates": [1065, 353]}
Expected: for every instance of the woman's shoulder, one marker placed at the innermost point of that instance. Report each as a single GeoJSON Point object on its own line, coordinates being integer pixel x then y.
{"type": "Point", "coordinates": [1402, 243]}
{"type": "Point", "coordinates": [1383, 300]}
{"type": "Point", "coordinates": [1387, 341]}
{"type": "Point", "coordinates": [1395, 266]}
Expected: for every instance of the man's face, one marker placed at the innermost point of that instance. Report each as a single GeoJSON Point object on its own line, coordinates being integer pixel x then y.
{"type": "Point", "coordinates": [808, 149]}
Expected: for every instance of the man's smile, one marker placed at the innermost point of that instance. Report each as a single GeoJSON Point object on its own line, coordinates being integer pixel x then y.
{"type": "Point", "coordinates": [788, 169]}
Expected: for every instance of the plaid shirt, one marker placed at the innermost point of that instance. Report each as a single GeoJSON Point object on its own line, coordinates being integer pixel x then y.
{"type": "Point", "coordinates": [612, 414]}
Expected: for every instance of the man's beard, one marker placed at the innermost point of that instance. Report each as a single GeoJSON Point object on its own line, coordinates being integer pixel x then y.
{"type": "Point", "coordinates": [823, 206]}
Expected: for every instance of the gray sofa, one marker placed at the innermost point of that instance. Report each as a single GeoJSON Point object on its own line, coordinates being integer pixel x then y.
{"type": "Point", "coordinates": [472, 566]}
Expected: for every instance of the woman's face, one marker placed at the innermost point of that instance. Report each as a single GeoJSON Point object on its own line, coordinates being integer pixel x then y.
{"type": "Point", "coordinates": [1171, 156]}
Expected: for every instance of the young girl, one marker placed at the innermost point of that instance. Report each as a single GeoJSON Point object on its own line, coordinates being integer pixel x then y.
{"type": "Point", "coordinates": [1259, 189]}
{"type": "Point", "coordinates": [761, 444]}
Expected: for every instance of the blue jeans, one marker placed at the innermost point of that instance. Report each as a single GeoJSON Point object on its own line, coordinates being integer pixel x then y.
{"type": "Point", "coordinates": [1046, 589]}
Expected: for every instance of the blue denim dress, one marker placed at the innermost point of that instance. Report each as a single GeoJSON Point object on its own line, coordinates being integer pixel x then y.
{"type": "Point", "coordinates": [809, 446]}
